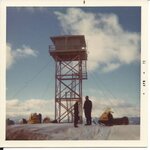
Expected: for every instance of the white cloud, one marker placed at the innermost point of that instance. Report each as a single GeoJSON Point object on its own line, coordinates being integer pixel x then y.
{"type": "Point", "coordinates": [13, 55]}
{"type": "Point", "coordinates": [9, 56]}
{"type": "Point", "coordinates": [119, 107]}
{"type": "Point", "coordinates": [25, 51]}
{"type": "Point", "coordinates": [18, 109]}
{"type": "Point", "coordinates": [110, 67]}
{"type": "Point", "coordinates": [109, 45]}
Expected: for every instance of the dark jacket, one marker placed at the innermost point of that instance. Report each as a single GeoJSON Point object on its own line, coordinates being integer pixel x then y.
{"type": "Point", "coordinates": [87, 106]}
{"type": "Point", "coordinates": [76, 111]}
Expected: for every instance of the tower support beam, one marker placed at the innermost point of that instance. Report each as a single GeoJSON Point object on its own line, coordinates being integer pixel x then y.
{"type": "Point", "coordinates": [70, 55]}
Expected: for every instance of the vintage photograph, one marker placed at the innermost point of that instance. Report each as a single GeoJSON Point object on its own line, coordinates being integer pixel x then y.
{"type": "Point", "coordinates": [73, 73]}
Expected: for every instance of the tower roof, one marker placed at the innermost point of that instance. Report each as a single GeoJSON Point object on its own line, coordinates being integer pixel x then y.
{"type": "Point", "coordinates": [56, 39]}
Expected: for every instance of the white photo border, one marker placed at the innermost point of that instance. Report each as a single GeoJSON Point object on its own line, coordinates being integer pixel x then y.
{"type": "Point", "coordinates": [144, 59]}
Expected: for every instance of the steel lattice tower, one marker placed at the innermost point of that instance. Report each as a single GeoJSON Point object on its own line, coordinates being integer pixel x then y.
{"type": "Point", "coordinates": [70, 55]}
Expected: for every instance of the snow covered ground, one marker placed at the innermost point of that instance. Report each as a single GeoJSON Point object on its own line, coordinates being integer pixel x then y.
{"type": "Point", "coordinates": [68, 132]}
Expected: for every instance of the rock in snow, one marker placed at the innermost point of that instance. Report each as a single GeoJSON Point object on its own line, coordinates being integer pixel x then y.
{"type": "Point", "coordinates": [66, 131]}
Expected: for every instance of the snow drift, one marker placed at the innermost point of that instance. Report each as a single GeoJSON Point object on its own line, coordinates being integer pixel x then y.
{"type": "Point", "coordinates": [66, 131]}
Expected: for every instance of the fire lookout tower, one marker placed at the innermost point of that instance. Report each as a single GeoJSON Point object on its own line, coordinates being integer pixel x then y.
{"type": "Point", "coordinates": [70, 55]}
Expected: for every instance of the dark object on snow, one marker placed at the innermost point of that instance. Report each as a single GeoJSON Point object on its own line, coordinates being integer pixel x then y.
{"type": "Point", "coordinates": [9, 122]}
{"type": "Point", "coordinates": [76, 114]}
{"type": "Point", "coordinates": [46, 120]}
{"type": "Point", "coordinates": [54, 121]}
{"type": "Point", "coordinates": [121, 121]}
{"type": "Point", "coordinates": [116, 121]}
{"type": "Point", "coordinates": [23, 121]}
{"type": "Point", "coordinates": [35, 118]}
{"type": "Point", "coordinates": [107, 119]}
{"type": "Point", "coordinates": [87, 110]}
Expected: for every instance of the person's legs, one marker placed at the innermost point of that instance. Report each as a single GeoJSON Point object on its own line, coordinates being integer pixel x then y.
{"type": "Point", "coordinates": [87, 120]}
{"type": "Point", "coordinates": [90, 120]}
{"type": "Point", "coordinates": [86, 116]}
{"type": "Point", "coordinates": [75, 122]}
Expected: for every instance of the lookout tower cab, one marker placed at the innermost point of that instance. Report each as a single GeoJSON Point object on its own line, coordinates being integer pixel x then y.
{"type": "Point", "coordinates": [66, 47]}
{"type": "Point", "coordinates": [70, 55]}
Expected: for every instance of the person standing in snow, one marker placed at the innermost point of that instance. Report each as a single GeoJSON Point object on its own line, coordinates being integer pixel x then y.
{"type": "Point", "coordinates": [76, 114]}
{"type": "Point", "coordinates": [87, 110]}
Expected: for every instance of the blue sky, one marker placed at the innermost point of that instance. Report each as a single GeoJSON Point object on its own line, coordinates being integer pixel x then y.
{"type": "Point", "coordinates": [113, 40]}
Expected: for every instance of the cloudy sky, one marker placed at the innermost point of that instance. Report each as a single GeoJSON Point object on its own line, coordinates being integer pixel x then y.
{"type": "Point", "coordinates": [113, 40]}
